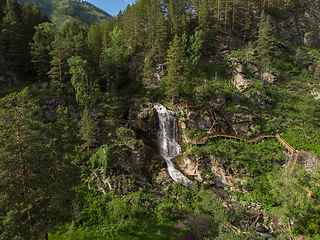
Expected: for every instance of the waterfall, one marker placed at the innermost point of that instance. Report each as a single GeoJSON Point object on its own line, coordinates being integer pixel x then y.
{"type": "Point", "coordinates": [168, 146]}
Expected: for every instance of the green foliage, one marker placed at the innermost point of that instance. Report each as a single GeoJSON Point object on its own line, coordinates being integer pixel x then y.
{"type": "Point", "coordinates": [87, 130]}
{"type": "Point", "coordinates": [265, 42]}
{"type": "Point", "coordinates": [86, 90]}
{"type": "Point", "coordinates": [114, 57]}
{"type": "Point", "coordinates": [61, 12]}
{"type": "Point", "coordinates": [294, 203]}
{"type": "Point", "coordinates": [36, 170]}
{"type": "Point", "coordinates": [41, 47]}
{"type": "Point", "coordinates": [103, 157]}
{"type": "Point", "coordinates": [176, 62]}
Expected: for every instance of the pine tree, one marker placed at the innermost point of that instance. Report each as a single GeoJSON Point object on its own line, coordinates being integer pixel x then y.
{"type": "Point", "coordinates": [161, 39]}
{"type": "Point", "coordinates": [10, 39]}
{"type": "Point", "coordinates": [118, 48]}
{"type": "Point", "coordinates": [80, 45]}
{"type": "Point", "coordinates": [176, 65]}
{"type": "Point", "coordinates": [59, 66]}
{"type": "Point", "coordinates": [36, 173]}
{"type": "Point", "coordinates": [148, 72]}
{"type": "Point", "coordinates": [265, 43]}
{"type": "Point", "coordinates": [107, 66]}
{"type": "Point", "coordinates": [61, 172]}
{"type": "Point", "coordinates": [247, 26]}
{"type": "Point", "coordinates": [94, 41]}
{"type": "Point", "coordinates": [41, 47]}
{"type": "Point", "coordinates": [31, 16]}
{"type": "Point", "coordinates": [87, 130]}
{"type": "Point", "coordinates": [20, 154]}
{"type": "Point", "coordinates": [106, 28]}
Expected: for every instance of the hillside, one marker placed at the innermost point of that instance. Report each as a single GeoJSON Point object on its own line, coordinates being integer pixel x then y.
{"type": "Point", "coordinates": [62, 11]}
{"type": "Point", "coordinates": [174, 117]}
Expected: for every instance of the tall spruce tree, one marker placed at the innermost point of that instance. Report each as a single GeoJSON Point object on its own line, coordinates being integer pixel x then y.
{"type": "Point", "coordinates": [118, 49]}
{"type": "Point", "coordinates": [148, 72]}
{"type": "Point", "coordinates": [11, 44]}
{"type": "Point", "coordinates": [265, 42]}
{"type": "Point", "coordinates": [41, 47]}
{"type": "Point", "coordinates": [176, 62]}
{"type": "Point", "coordinates": [86, 92]}
{"type": "Point", "coordinates": [35, 167]}
{"type": "Point", "coordinates": [94, 41]}
{"type": "Point", "coordinates": [59, 65]}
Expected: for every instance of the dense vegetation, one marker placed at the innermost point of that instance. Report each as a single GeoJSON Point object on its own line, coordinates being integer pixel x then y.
{"type": "Point", "coordinates": [61, 12]}
{"type": "Point", "coordinates": [46, 169]}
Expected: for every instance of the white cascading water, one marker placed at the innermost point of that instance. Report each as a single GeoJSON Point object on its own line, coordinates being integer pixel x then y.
{"type": "Point", "coordinates": [168, 146]}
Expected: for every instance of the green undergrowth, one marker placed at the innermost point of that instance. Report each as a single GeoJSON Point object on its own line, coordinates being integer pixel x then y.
{"type": "Point", "coordinates": [147, 215]}
{"type": "Point", "coordinates": [245, 159]}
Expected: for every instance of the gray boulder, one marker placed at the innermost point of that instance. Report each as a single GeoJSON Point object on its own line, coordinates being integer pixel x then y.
{"type": "Point", "coordinates": [241, 82]}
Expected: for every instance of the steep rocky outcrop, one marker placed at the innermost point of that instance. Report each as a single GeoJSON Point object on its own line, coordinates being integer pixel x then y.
{"type": "Point", "coordinates": [142, 118]}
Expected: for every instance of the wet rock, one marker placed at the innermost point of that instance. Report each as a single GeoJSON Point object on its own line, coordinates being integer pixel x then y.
{"type": "Point", "coordinates": [241, 82]}
{"type": "Point", "coordinates": [190, 166]}
{"type": "Point", "coordinates": [182, 125]}
{"type": "Point", "coordinates": [143, 120]}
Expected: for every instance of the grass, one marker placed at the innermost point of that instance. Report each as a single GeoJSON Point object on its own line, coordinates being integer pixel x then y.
{"type": "Point", "coordinates": [61, 12]}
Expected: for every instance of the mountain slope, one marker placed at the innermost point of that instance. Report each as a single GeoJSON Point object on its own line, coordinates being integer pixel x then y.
{"type": "Point", "coordinates": [62, 11]}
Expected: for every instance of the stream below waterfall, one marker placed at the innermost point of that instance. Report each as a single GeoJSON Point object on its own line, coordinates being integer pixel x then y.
{"type": "Point", "coordinates": [168, 146]}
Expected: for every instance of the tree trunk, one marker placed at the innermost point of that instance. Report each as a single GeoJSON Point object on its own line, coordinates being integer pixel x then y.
{"type": "Point", "coordinates": [23, 171]}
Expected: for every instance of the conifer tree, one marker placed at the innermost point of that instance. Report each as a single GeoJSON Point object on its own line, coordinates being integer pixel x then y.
{"type": "Point", "coordinates": [94, 41]}
{"type": "Point", "coordinates": [176, 65]}
{"type": "Point", "coordinates": [107, 66]}
{"type": "Point", "coordinates": [147, 72]}
{"type": "Point", "coordinates": [85, 95]}
{"type": "Point", "coordinates": [59, 67]}
{"type": "Point", "coordinates": [87, 130]}
{"type": "Point", "coordinates": [247, 26]}
{"type": "Point", "coordinates": [41, 47]}
{"type": "Point", "coordinates": [265, 43]}
{"type": "Point", "coordinates": [31, 16]}
{"type": "Point", "coordinates": [118, 49]}
{"type": "Point", "coordinates": [10, 38]}
{"type": "Point", "coordinates": [80, 45]}
{"type": "Point", "coordinates": [161, 40]}
{"type": "Point", "coordinates": [106, 28]}
{"type": "Point", "coordinates": [36, 174]}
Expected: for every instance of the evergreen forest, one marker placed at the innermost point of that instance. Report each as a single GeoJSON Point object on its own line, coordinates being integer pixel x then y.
{"type": "Point", "coordinates": [78, 145]}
